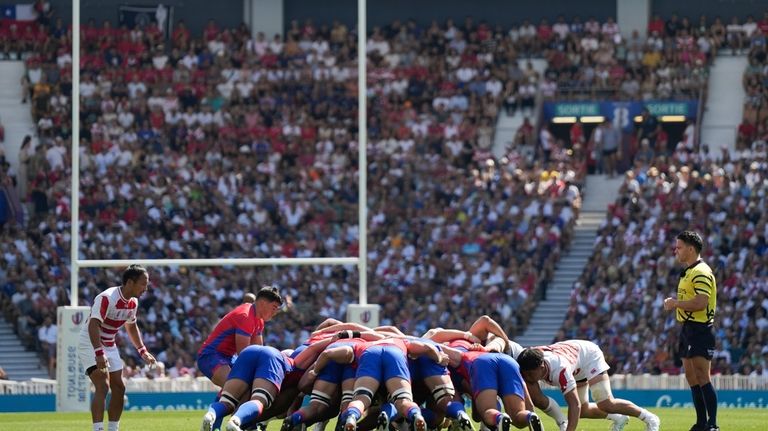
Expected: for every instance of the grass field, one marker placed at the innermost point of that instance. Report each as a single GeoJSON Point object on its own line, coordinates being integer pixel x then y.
{"type": "Point", "coordinates": [671, 420]}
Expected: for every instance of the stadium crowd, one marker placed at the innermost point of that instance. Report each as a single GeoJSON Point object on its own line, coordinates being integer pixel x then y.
{"type": "Point", "coordinates": [617, 300]}
{"type": "Point", "coordinates": [593, 61]}
{"type": "Point", "coordinates": [232, 146]}
{"type": "Point", "coordinates": [227, 146]}
{"type": "Point", "coordinates": [753, 132]}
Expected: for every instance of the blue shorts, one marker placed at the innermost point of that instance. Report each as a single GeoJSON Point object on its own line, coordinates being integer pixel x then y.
{"type": "Point", "coordinates": [499, 372]}
{"type": "Point", "coordinates": [209, 361]}
{"type": "Point", "coordinates": [260, 362]}
{"type": "Point", "coordinates": [335, 372]}
{"type": "Point", "coordinates": [424, 366]}
{"type": "Point", "coordinates": [383, 363]}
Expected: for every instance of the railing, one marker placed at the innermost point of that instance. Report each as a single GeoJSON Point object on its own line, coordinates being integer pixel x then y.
{"type": "Point", "coordinates": [678, 382]}
{"type": "Point", "coordinates": [137, 384]}
{"type": "Point", "coordinates": [28, 387]}
{"type": "Point", "coordinates": [202, 384]}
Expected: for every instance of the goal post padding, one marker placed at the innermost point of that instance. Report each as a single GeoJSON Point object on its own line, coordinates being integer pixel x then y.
{"type": "Point", "coordinates": [367, 314]}
{"type": "Point", "coordinates": [73, 391]}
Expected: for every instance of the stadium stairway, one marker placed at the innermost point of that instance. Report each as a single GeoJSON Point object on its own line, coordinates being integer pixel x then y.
{"type": "Point", "coordinates": [725, 103]}
{"type": "Point", "coordinates": [14, 116]}
{"type": "Point", "coordinates": [548, 317]}
{"type": "Point", "coordinates": [17, 362]}
{"type": "Point", "coordinates": [507, 125]}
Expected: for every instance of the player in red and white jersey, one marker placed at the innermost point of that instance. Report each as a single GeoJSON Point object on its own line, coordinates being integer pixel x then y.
{"type": "Point", "coordinates": [112, 309]}
{"type": "Point", "coordinates": [574, 366]}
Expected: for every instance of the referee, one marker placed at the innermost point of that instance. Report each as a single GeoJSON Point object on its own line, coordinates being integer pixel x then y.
{"type": "Point", "coordinates": [695, 308]}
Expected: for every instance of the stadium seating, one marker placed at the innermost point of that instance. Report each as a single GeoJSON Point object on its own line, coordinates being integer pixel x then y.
{"type": "Point", "coordinates": [601, 64]}
{"type": "Point", "coordinates": [227, 146]}
{"type": "Point", "coordinates": [618, 299]}
{"type": "Point", "coordinates": [232, 147]}
{"type": "Point", "coordinates": [753, 132]}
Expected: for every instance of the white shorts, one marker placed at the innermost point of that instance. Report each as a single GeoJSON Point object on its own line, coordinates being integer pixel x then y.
{"type": "Point", "coordinates": [593, 362]}
{"type": "Point", "coordinates": [88, 358]}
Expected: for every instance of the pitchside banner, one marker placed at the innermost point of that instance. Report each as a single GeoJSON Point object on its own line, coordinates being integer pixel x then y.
{"type": "Point", "coordinates": [74, 388]}
{"type": "Point", "coordinates": [367, 315]}
{"type": "Point", "coordinates": [165, 401]}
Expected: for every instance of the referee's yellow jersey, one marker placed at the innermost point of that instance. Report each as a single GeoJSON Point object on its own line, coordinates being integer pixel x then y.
{"type": "Point", "coordinates": [697, 279]}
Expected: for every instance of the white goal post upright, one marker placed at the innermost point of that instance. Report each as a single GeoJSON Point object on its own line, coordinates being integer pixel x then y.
{"type": "Point", "coordinates": [367, 314]}
{"type": "Point", "coordinates": [73, 391]}
{"type": "Point", "coordinates": [362, 151]}
{"type": "Point", "coordinates": [74, 229]}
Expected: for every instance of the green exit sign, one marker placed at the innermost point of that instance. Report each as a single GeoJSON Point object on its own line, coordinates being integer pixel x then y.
{"type": "Point", "coordinates": [576, 109]}
{"type": "Point", "coordinates": [667, 108]}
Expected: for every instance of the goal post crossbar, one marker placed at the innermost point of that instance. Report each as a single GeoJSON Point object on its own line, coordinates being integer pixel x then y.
{"type": "Point", "coordinates": [274, 261]}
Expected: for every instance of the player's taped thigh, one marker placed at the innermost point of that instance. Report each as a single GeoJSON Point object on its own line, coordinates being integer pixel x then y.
{"type": "Point", "coordinates": [601, 390]}
{"type": "Point", "coordinates": [581, 391]}
{"type": "Point", "coordinates": [364, 393]}
{"type": "Point", "coordinates": [347, 396]}
{"type": "Point", "coordinates": [262, 394]}
{"type": "Point", "coordinates": [401, 394]}
{"type": "Point", "coordinates": [320, 397]}
{"type": "Point", "coordinates": [443, 391]}
{"type": "Point", "coordinates": [228, 398]}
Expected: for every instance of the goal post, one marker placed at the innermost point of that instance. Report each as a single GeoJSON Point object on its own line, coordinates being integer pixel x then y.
{"type": "Point", "coordinates": [73, 389]}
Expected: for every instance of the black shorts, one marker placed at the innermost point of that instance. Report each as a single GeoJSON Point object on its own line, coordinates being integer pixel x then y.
{"type": "Point", "coordinates": [608, 153]}
{"type": "Point", "coordinates": [697, 339]}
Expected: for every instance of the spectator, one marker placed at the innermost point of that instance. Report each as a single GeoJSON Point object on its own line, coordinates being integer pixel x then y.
{"type": "Point", "coordinates": [610, 148]}
{"type": "Point", "coordinates": [47, 336]}
{"type": "Point", "coordinates": [735, 35]}
{"type": "Point", "coordinates": [648, 128]}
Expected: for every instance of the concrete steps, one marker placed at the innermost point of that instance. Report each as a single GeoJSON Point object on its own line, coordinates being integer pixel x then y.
{"type": "Point", "coordinates": [18, 362]}
{"type": "Point", "coordinates": [725, 103]}
{"type": "Point", "coordinates": [549, 315]}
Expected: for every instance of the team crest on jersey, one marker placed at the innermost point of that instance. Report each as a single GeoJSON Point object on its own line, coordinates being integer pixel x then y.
{"type": "Point", "coordinates": [365, 317]}
{"type": "Point", "coordinates": [123, 315]}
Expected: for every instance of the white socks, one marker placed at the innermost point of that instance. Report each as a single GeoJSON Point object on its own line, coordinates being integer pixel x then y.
{"type": "Point", "coordinates": [553, 410]}
{"type": "Point", "coordinates": [645, 415]}
{"type": "Point", "coordinates": [112, 426]}
{"type": "Point", "coordinates": [614, 417]}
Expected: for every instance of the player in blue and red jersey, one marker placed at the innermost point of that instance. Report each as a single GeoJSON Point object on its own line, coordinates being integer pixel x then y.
{"type": "Point", "coordinates": [263, 370]}
{"type": "Point", "coordinates": [487, 375]}
{"type": "Point", "coordinates": [326, 379]}
{"type": "Point", "coordinates": [237, 330]}
{"type": "Point", "coordinates": [378, 362]}
{"type": "Point", "coordinates": [484, 330]}
{"type": "Point", "coordinates": [432, 385]}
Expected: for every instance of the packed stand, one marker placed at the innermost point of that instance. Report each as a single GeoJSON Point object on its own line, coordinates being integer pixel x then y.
{"type": "Point", "coordinates": [228, 146]}
{"type": "Point", "coordinates": [626, 281]}
{"type": "Point", "coordinates": [592, 60]}
{"type": "Point", "coordinates": [753, 131]}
